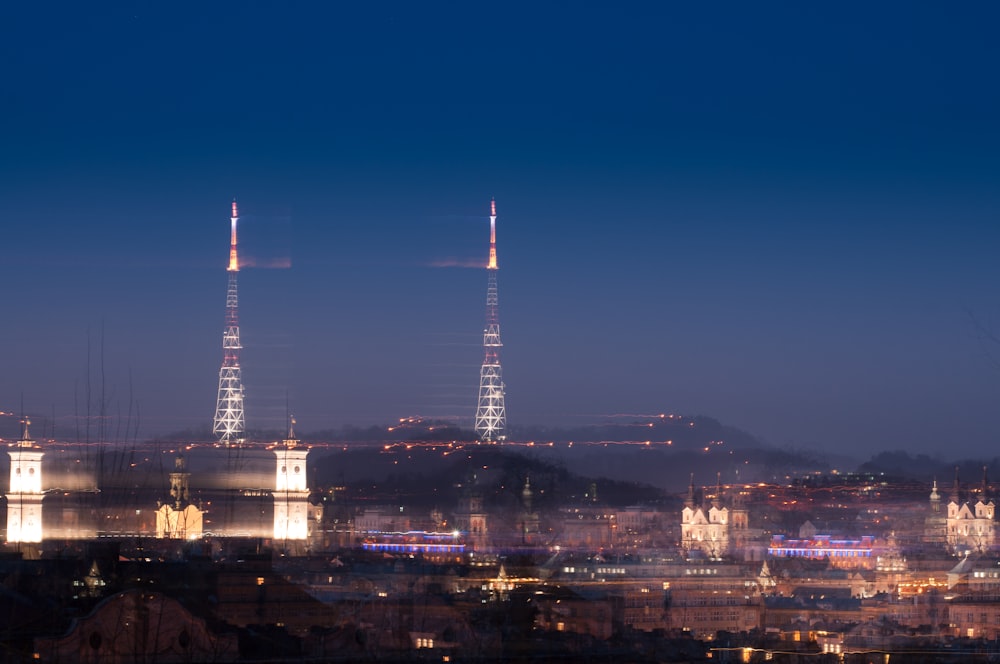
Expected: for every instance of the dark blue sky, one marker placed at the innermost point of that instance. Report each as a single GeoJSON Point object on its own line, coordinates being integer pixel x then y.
{"type": "Point", "coordinates": [784, 217]}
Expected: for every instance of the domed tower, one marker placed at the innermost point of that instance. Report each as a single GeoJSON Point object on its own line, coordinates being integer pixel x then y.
{"type": "Point", "coordinates": [529, 518]}
{"type": "Point", "coordinates": [181, 519]}
{"type": "Point", "coordinates": [936, 522]}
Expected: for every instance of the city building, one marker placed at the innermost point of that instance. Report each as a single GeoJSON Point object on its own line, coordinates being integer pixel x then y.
{"type": "Point", "coordinates": [712, 528]}
{"type": "Point", "coordinates": [180, 519]}
{"type": "Point", "coordinates": [845, 553]}
{"type": "Point", "coordinates": [139, 626]}
{"type": "Point", "coordinates": [971, 518]}
{"type": "Point", "coordinates": [24, 500]}
{"type": "Point", "coordinates": [291, 490]}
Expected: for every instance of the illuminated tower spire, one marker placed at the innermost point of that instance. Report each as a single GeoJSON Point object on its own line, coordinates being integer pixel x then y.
{"type": "Point", "coordinates": [291, 490]}
{"type": "Point", "coordinates": [229, 425]}
{"type": "Point", "coordinates": [24, 500]}
{"type": "Point", "coordinates": [181, 519]}
{"type": "Point", "coordinates": [491, 414]}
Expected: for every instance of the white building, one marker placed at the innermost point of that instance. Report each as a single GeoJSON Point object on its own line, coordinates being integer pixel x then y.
{"type": "Point", "coordinates": [970, 519]}
{"type": "Point", "coordinates": [24, 500]}
{"type": "Point", "coordinates": [711, 528]}
{"type": "Point", "coordinates": [291, 491]}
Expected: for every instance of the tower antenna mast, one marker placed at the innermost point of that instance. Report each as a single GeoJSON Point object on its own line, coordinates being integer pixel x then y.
{"type": "Point", "coordinates": [229, 425]}
{"type": "Point", "coordinates": [491, 413]}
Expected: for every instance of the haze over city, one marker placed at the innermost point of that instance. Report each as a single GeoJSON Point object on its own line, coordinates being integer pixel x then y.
{"type": "Point", "coordinates": [781, 217]}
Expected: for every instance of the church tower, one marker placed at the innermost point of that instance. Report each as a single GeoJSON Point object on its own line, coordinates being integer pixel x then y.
{"type": "Point", "coordinates": [936, 523]}
{"type": "Point", "coordinates": [179, 519]}
{"type": "Point", "coordinates": [470, 518]}
{"type": "Point", "coordinates": [291, 491]}
{"type": "Point", "coordinates": [739, 524]}
{"type": "Point", "coordinates": [705, 528]}
{"type": "Point", "coordinates": [970, 525]}
{"type": "Point", "coordinates": [24, 500]}
{"type": "Point", "coordinates": [529, 518]}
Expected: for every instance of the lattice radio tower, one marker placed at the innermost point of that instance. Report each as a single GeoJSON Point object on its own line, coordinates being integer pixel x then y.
{"type": "Point", "coordinates": [491, 415]}
{"type": "Point", "coordinates": [229, 425]}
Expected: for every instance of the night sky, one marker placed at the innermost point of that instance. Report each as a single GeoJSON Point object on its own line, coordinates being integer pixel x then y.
{"type": "Point", "coordinates": [781, 216]}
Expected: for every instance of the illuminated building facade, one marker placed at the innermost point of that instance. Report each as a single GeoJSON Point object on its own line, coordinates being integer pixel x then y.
{"type": "Point", "coordinates": [590, 527]}
{"type": "Point", "coordinates": [974, 585]}
{"type": "Point", "coordinates": [491, 413]}
{"type": "Point", "coordinates": [291, 491]}
{"type": "Point", "coordinates": [707, 597]}
{"type": "Point", "coordinates": [971, 518]}
{"type": "Point", "coordinates": [182, 519]}
{"type": "Point", "coordinates": [432, 546]}
{"type": "Point", "coordinates": [711, 528]}
{"type": "Point", "coordinates": [24, 500]}
{"type": "Point", "coordinates": [229, 424]}
{"type": "Point", "coordinates": [840, 552]}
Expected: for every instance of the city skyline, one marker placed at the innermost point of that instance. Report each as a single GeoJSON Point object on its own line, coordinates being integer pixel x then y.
{"type": "Point", "coordinates": [784, 219]}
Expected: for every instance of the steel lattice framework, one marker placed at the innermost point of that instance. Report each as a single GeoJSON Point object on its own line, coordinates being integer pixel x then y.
{"type": "Point", "coordinates": [229, 424]}
{"type": "Point", "coordinates": [491, 414]}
